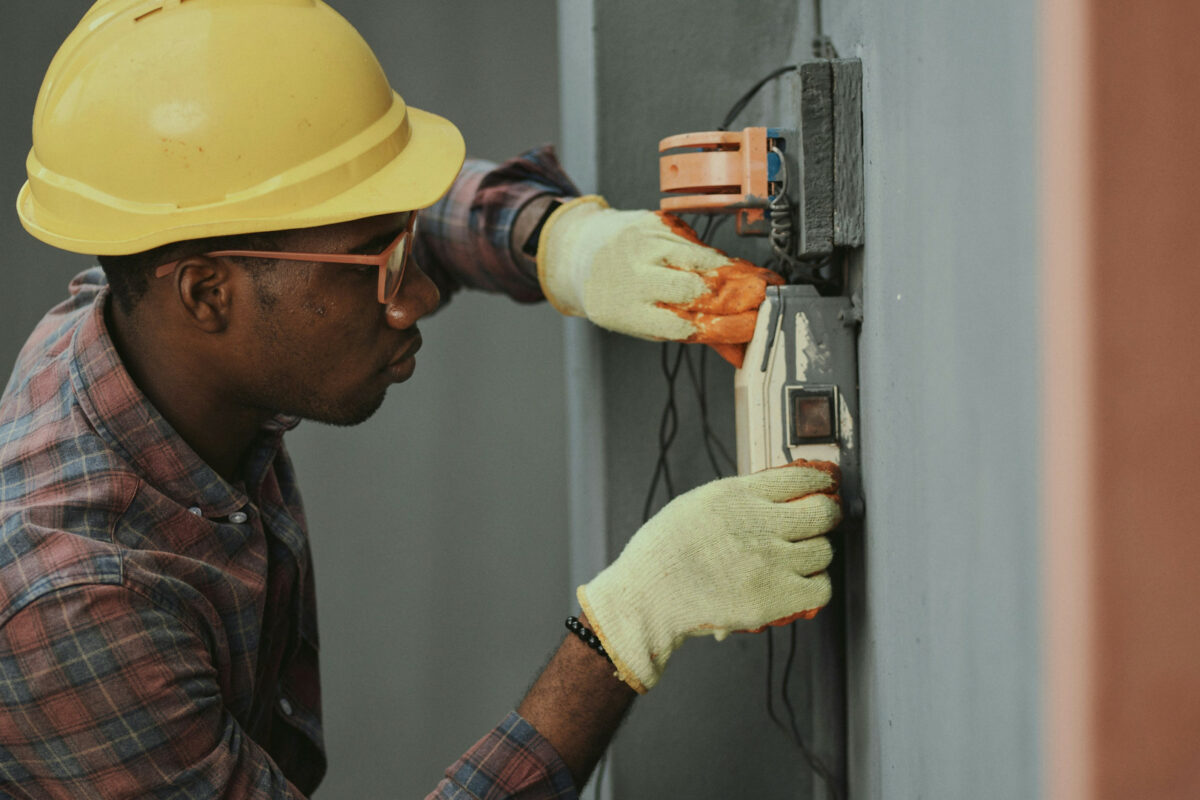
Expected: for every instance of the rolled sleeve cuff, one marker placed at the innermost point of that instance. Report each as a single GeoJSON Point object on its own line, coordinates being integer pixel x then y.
{"type": "Point", "coordinates": [513, 761]}
{"type": "Point", "coordinates": [465, 238]}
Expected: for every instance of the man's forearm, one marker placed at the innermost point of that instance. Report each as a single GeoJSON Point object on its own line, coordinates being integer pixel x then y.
{"type": "Point", "coordinates": [577, 703]}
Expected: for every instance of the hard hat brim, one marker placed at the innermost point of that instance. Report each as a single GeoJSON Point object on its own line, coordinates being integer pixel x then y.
{"type": "Point", "coordinates": [416, 178]}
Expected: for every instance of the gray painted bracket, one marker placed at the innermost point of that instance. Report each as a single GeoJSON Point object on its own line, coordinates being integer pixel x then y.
{"type": "Point", "coordinates": [830, 160]}
{"type": "Point", "coordinates": [848, 153]}
{"type": "Point", "coordinates": [816, 160]}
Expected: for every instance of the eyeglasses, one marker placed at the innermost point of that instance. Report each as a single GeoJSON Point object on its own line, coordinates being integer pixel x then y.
{"type": "Point", "coordinates": [391, 261]}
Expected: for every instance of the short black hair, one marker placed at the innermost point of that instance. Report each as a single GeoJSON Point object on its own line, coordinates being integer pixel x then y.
{"type": "Point", "coordinates": [129, 276]}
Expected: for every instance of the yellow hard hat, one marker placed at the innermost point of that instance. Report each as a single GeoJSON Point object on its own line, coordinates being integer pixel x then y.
{"type": "Point", "coordinates": [165, 120]}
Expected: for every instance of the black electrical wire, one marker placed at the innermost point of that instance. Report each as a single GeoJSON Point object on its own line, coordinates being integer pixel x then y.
{"type": "Point", "coordinates": [822, 44]}
{"type": "Point", "coordinates": [814, 762]}
{"type": "Point", "coordinates": [711, 436]}
{"type": "Point", "coordinates": [783, 692]}
{"type": "Point", "coordinates": [770, 683]}
{"type": "Point", "coordinates": [822, 48]}
{"type": "Point", "coordinates": [669, 421]}
{"type": "Point", "coordinates": [699, 382]}
{"type": "Point", "coordinates": [713, 446]}
{"type": "Point", "coordinates": [668, 427]}
{"type": "Point", "coordinates": [702, 400]}
{"type": "Point", "coordinates": [792, 729]}
{"type": "Point", "coordinates": [743, 101]}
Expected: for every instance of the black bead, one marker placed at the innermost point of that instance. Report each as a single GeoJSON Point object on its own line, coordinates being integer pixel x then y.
{"type": "Point", "coordinates": [587, 637]}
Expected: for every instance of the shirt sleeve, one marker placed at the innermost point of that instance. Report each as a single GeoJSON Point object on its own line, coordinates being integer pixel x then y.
{"type": "Point", "coordinates": [464, 238]}
{"type": "Point", "coordinates": [513, 762]}
{"type": "Point", "coordinates": [104, 694]}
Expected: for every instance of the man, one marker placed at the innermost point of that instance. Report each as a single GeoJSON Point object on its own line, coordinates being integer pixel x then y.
{"type": "Point", "coordinates": [256, 193]}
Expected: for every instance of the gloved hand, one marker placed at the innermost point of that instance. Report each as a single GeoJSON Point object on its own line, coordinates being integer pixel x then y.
{"type": "Point", "coordinates": [647, 274]}
{"type": "Point", "coordinates": [735, 554]}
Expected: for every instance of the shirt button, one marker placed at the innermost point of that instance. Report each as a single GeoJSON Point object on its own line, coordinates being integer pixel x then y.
{"type": "Point", "coordinates": [285, 706]}
{"type": "Point", "coordinates": [238, 517]}
{"type": "Point", "coordinates": [195, 510]}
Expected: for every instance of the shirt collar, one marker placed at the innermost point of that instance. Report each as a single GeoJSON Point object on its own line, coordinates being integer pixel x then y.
{"type": "Point", "coordinates": [134, 429]}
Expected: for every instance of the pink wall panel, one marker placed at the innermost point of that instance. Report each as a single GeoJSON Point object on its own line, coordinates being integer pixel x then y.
{"type": "Point", "coordinates": [1121, 247]}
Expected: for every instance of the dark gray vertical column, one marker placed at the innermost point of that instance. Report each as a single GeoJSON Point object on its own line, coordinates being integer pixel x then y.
{"type": "Point", "coordinates": [587, 449]}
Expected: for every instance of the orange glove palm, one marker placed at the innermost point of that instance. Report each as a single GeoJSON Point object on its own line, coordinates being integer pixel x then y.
{"type": "Point", "coordinates": [647, 274]}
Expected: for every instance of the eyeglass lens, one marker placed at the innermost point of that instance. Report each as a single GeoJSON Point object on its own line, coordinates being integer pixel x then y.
{"type": "Point", "coordinates": [395, 266]}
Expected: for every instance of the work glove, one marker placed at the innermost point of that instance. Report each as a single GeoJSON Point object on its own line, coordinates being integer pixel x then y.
{"type": "Point", "coordinates": [736, 554]}
{"type": "Point", "coordinates": [647, 274]}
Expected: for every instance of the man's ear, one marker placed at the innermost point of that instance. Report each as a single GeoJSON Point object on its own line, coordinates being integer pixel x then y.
{"type": "Point", "coordinates": [206, 288]}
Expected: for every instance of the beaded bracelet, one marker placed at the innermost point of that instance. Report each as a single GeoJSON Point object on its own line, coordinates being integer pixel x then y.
{"type": "Point", "coordinates": [589, 638]}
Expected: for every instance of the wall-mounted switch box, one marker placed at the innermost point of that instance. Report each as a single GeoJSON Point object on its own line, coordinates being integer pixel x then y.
{"type": "Point", "coordinates": [796, 395]}
{"type": "Point", "coordinates": [816, 165]}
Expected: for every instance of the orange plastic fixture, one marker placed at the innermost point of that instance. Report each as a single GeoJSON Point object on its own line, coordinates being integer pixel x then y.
{"type": "Point", "coordinates": [717, 172]}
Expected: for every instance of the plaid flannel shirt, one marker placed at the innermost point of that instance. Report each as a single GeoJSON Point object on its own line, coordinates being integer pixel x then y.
{"type": "Point", "coordinates": [464, 238]}
{"type": "Point", "coordinates": [158, 631]}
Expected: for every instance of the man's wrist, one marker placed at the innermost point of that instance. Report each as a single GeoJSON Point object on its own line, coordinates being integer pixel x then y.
{"type": "Point", "coordinates": [531, 216]}
{"type": "Point", "coordinates": [576, 705]}
{"type": "Point", "coordinates": [588, 637]}
{"type": "Point", "coordinates": [533, 240]}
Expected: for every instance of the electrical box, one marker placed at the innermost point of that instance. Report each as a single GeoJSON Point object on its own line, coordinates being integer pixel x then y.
{"type": "Point", "coordinates": [801, 186]}
{"type": "Point", "coordinates": [796, 395]}
{"type": "Point", "coordinates": [797, 390]}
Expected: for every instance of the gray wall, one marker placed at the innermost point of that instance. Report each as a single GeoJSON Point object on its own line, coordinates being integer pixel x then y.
{"type": "Point", "coordinates": [944, 647]}
{"type": "Point", "coordinates": [438, 526]}
{"type": "Point", "coordinates": [35, 275]}
{"type": "Point", "coordinates": [949, 662]}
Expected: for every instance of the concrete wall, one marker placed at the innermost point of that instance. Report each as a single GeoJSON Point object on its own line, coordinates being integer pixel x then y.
{"type": "Point", "coordinates": [944, 648]}
{"type": "Point", "coordinates": [1120, 370]}
{"type": "Point", "coordinates": [421, 517]}
{"type": "Point", "coordinates": [35, 275]}
{"type": "Point", "coordinates": [946, 692]}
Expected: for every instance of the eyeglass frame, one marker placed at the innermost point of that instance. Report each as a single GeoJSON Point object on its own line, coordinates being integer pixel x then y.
{"type": "Point", "coordinates": [380, 260]}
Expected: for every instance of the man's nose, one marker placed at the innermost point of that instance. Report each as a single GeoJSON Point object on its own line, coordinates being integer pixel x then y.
{"type": "Point", "coordinates": [417, 297]}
